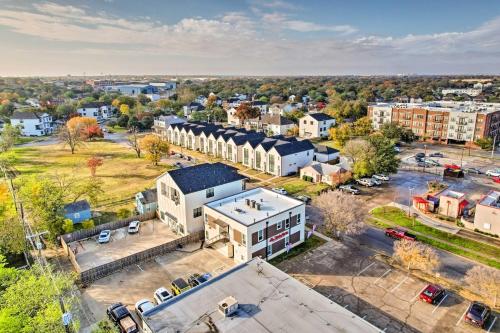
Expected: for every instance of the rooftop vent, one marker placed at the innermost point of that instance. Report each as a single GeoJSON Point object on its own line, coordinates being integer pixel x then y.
{"type": "Point", "coordinates": [258, 206]}
{"type": "Point", "coordinates": [253, 203]}
{"type": "Point", "coordinates": [247, 201]}
{"type": "Point", "coordinates": [228, 306]}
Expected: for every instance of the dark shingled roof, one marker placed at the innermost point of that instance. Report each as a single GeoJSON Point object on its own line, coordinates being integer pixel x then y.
{"type": "Point", "coordinates": [92, 105]}
{"type": "Point", "coordinates": [149, 196]}
{"type": "Point", "coordinates": [255, 142]}
{"type": "Point", "coordinates": [203, 176]}
{"type": "Point", "coordinates": [75, 207]}
{"type": "Point", "coordinates": [320, 116]}
{"type": "Point", "coordinates": [241, 139]}
{"type": "Point", "coordinates": [324, 149]}
{"type": "Point", "coordinates": [294, 147]}
{"type": "Point", "coordinates": [25, 115]}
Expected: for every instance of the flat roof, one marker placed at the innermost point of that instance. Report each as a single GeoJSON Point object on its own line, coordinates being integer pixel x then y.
{"type": "Point", "coordinates": [491, 199]}
{"type": "Point", "coordinates": [269, 300]}
{"type": "Point", "coordinates": [452, 194]}
{"type": "Point", "coordinates": [271, 203]}
{"type": "Point", "coordinates": [448, 106]}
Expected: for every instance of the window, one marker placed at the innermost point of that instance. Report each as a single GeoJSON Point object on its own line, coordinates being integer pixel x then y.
{"type": "Point", "coordinates": [487, 226]}
{"type": "Point", "coordinates": [298, 219]}
{"type": "Point", "coordinates": [305, 122]}
{"type": "Point", "coordinates": [210, 192]}
{"type": "Point", "coordinates": [312, 123]}
{"type": "Point", "coordinates": [287, 223]}
{"type": "Point", "coordinates": [162, 215]}
{"type": "Point", "coordinates": [287, 240]}
{"type": "Point", "coordinates": [197, 212]}
{"type": "Point", "coordinates": [279, 225]}
{"type": "Point", "coordinates": [243, 239]}
{"type": "Point", "coordinates": [269, 250]}
{"type": "Point", "coordinates": [245, 156]}
{"type": "Point", "coordinates": [163, 188]}
{"type": "Point", "coordinates": [271, 163]}
{"type": "Point", "coordinates": [260, 235]}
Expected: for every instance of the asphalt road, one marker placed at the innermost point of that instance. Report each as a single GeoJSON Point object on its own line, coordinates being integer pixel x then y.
{"type": "Point", "coordinates": [452, 266]}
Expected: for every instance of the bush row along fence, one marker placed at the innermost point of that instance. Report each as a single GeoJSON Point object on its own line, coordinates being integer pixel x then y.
{"type": "Point", "coordinates": [96, 273]}
{"type": "Point", "coordinates": [87, 233]}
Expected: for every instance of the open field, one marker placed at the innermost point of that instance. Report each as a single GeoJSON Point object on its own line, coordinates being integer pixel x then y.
{"type": "Point", "coordinates": [122, 173]}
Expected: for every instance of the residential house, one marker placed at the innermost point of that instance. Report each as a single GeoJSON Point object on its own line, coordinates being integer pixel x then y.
{"type": "Point", "coordinates": [325, 154]}
{"type": "Point", "coordinates": [324, 173]}
{"type": "Point", "coordinates": [315, 125]}
{"type": "Point", "coordinates": [162, 123]}
{"type": "Point", "coordinates": [257, 222]}
{"type": "Point", "coordinates": [78, 211]}
{"type": "Point", "coordinates": [99, 111]}
{"type": "Point", "coordinates": [201, 100]}
{"type": "Point", "coordinates": [146, 201]}
{"type": "Point", "coordinates": [192, 107]}
{"type": "Point", "coordinates": [32, 123]}
{"type": "Point", "coordinates": [183, 192]}
{"type": "Point", "coordinates": [232, 120]}
{"type": "Point", "coordinates": [287, 159]}
{"type": "Point", "coordinates": [270, 124]}
{"type": "Point", "coordinates": [487, 217]}
{"type": "Point", "coordinates": [262, 106]}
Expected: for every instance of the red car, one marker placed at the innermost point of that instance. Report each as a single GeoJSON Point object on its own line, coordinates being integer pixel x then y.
{"type": "Point", "coordinates": [496, 179]}
{"type": "Point", "coordinates": [399, 234]}
{"type": "Point", "coordinates": [432, 294]}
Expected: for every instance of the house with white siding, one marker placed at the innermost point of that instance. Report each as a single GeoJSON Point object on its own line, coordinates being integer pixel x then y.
{"type": "Point", "coordinates": [97, 110]}
{"type": "Point", "coordinates": [315, 125]}
{"type": "Point", "coordinates": [32, 123]}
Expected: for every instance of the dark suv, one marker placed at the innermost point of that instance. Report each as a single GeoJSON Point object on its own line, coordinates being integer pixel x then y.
{"type": "Point", "coordinates": [477, 314]}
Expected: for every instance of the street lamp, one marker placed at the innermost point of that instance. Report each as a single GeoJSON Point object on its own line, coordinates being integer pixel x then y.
{"type": "Point", "coordinates": [409, 200]}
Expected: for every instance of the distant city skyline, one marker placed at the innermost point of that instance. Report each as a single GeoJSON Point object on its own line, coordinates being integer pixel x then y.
{"type": "Point", "coordinates": [252, 37]}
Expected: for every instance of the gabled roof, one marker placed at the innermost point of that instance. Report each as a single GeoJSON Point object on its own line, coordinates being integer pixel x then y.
{"type": "Point", "coordinates": [259, 103]}
{"type": "Point", "coordinates": [320, 116]}
{"type": "Point", "coordinates": [321, 149]}
{"type": "Point", "coordinates": [325, 169]}
{"type": "Point", "coordinates": [149, 196]}
{"type": "Point", "coordinates": [276, 120]}
{"type": "Point", "coordinates": [92, 105]}
{"type": "Point", "coordinates": [255, 141]}
{"type": "Point", "coordinates": [75, 207]}
{"type": "Point", "coordinates": [203, 176]}
{"type": "Point", "coordinates": [26, 115]}
{"type": "Point", "coordinates": [293, 147]}
{"type": "Point", "coordinates": [241, 139]}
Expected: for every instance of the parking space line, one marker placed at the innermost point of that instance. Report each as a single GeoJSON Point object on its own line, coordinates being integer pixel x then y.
{"type": "Point", "coordinates": [462, 316]}
{"type": "Point", "coordinates": [381, 276]}
{"type": "Point", "coordinates": [140, 268]}
{"type": "Point", "coordinates": [364, 269]}
{"type": "Point", "coordinates": [399, 284]}
{"type": "Point", "coordinates": [491, 326]}
{"type": "Point", "coordinates": [346, 306]}
{"type": "Point", "coordinates": [414, 297]}
{"type": "Point", "coordinates": [437, 306]}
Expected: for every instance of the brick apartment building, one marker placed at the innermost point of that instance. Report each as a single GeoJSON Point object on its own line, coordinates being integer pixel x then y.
{"type": "Point", "coordinates": [441, 121]}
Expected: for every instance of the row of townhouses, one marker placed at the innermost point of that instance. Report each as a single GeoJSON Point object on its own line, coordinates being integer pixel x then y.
{"type": "Point", "coordinates": [239, 223]}
{"type": "Point", "coordinates": [277, 155]}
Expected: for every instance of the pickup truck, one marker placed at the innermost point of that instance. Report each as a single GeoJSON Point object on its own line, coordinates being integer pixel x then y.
{"type": "Point", "coordinates": [399, 234]}
{"type": "Point", "coordinates": [122, 318]}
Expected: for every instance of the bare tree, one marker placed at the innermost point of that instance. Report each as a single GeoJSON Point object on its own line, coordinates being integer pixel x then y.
{"type": "Point", "coordinates": [133, 142]}
{"type": "Point", "coordinates": [415, 255]}
{"type": "Point", "coordinates": [342, 213]}
{"type": "Point", "coordinates": [485, 281]}
{"type": "Point", "coordinates": [70, 136]}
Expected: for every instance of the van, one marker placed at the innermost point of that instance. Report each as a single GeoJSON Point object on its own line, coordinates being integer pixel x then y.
{"type": "Point", "coordinates": [179, 286]}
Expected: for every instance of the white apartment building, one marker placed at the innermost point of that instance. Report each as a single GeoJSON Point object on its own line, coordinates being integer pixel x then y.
{"type": "Point", "coordinates": [315, 125]}
{"type": "Point", "coordinates": [382, 114]}
{"type": "Point", "coordinates": [183, 192]}
{"type": "Point", "coordinates": [32, 123]}
{"type": "Point", "coordinates": [99, 111]}
{"type": "Point", "coordinates": [162, 123]}
{"type": "Point", "coordinates": [462, 91]}
{"type": "Point", "coordinates": [257, 222]}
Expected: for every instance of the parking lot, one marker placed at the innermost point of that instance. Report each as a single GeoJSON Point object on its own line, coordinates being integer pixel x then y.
{"type": "Point", "coordinates": [90, 254]}
{"type": "Point", "coordinates": [386, 297]}
{"type": "Point", "coordinates": [140, 281]}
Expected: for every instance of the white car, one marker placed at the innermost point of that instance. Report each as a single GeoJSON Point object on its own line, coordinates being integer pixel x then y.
{"type": "Point", "coordinates": [142, 306]}
{"type": "Point", "coordinates": [381, 177]}
{"type": "Point", "coordinates": [493, 173]}
{"type": "Point", "coordinates": [365, 182]}
{"type": "Point", "coordinates": [280, 190]}
{"type": "Point", "coordinates": [376, 182]}
{"type": "Point", "coordinates": [104, 236]}
{"type": "Point", "coordinates": [162, 295]}
{"type": "Point", "coordinates": [133, 227]}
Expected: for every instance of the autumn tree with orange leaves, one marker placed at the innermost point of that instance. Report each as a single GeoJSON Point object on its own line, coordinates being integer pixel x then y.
{"type": "Point", "coordinates": [93, 163]}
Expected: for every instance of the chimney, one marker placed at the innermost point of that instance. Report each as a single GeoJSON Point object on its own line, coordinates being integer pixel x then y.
{"type": "Point", "coordinates": [247, 201]}
{"type": "Point", "coordinates": [253, 203]}
{"type": "Point", "coordinates": [257, 206]}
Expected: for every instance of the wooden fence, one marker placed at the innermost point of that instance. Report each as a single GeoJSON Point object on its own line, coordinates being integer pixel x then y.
{"type": "Point", "coordinates": [93, 274]}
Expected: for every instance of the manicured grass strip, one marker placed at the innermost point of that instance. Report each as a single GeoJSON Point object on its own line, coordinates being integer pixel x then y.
{"type": "Point", "coordinates": [309, 244]}
{"type": "Point", "coordinates": [399, 217]}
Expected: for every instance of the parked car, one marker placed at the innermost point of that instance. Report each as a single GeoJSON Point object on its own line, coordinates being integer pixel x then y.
{"type": "Point", "coordinates": [420, 155]}
{"type": "Point", "coordinates": [432, 294]}
{"type": "Point", "coordinates": [397, 149]}
{"type": "Point", "coordinates": [179, 286]}
{"type": "Point", "coordinates": [436, 154]}
{"type": "Point", "coordinates": [133, 227]}
{"type": "Point", "coordinates": [104, 237]}
{"type": "Point", "coordinates": [162, 295]}
{"type": "Point", "coordinates": [179, 165]}
{"type": "Point", "coordinates": [280, 190]}
{"type": "Point", "coordinates": [493, 173]}
{"type": "Point", "coordinates": [399, 234]}
{"type": "Point", "coordinates": [431, 162]}
{"type": "Point", "coordinates": [424, 164]}
{"type": "Point", "coordinates": [349, 188]}
{"type": "Point", "coordinates": [119, 315]}
{"type": "Point", "coordinates": [477, 314]}
{"type": "Point", "coordinates": [381, 177]}
{"type": "Point", "coordinates": [197, 279]}
{"type": "Point", "coordinates": [376, 182]}
{"type": "Point", "coordinates": [473, 170]}
{"type": "Point", "coordinates": [365, 182]}
{"type": "Point", "coordinates": [496, 179]}
{"type": "Point", "coordinates": [304, 198]}
{"type": "Point", "coordinates": [142, 306]}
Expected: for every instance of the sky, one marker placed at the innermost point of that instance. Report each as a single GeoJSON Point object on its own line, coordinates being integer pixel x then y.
{"type": "Point", "coordinates": [249, 37]}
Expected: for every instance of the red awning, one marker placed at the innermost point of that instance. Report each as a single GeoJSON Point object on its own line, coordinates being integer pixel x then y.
{"type": "Point", "coordinates": [419, 200]}
{"type": "Point", "coordinates": [464, 203]}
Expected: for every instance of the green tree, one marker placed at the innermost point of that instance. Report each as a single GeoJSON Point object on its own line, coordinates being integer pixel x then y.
{"type": "Point", "coordinates": [484, 143]}
{"type": "Point", "coordinates": [143, 99]}
{"type": "Point", "coordinates": [123, 120]}
{"type": "Point", "coordinates": [385, 158]}
{"type": "Point", "coordinates": [68, 226]}
{"type": "Point", "coordinates": [11, 231]}
{"type": "Point", "coordinates": [8, 137]}
{"type": "Point", "coordinates": [341, 134]}
{"type": "Point", "coordinates": [105, 326]}
{"type": "Point", "coordinates": [88, 224]}
{"type": "Point", "coordinates": [65, 110]}
{"type": "Point", "coordinates": [362, 126]}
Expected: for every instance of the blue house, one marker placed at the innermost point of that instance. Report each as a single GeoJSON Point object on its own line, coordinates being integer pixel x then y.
{"type": "Point", "coordinates": [78, 211]}
{"type": "Point", "coordinates": [146, 201]}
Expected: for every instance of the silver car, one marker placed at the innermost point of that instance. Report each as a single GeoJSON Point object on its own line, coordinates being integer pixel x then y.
{"type": "Point", "coordinates": [133, 227]}
{"type": "Point", "coordinates": [104, 236]}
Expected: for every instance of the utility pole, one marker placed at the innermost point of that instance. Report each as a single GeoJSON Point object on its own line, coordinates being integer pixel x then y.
{"type": "Point", "coordinates": [66, 317]}
{"type": "Point", "coordinates": [493, 148]}
{"type": "Point", "coordinates": [462, 158]}
{"type": "Point", "coordinates": [409, 201]}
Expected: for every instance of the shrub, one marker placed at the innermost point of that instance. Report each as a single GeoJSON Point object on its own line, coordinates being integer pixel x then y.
{"type": "Point", "coordinates": [88, 224]}
{"type": "Point", "coordinates": [307, 178]}
{"type": "Point", "coordinates": [112, 123]}
{"type": "Point", "coordinates": [123, 213]}
{"type": "Point", "coordinates": [68, 226]}
{"type": "Point", "coordinates": [485, 233]}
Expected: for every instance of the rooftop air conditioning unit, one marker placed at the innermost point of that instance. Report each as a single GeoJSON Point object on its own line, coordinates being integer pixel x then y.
{"type": "Point", "coordinates": [258, 205]}
{"type": "Point", "coordinates": [228, 306]}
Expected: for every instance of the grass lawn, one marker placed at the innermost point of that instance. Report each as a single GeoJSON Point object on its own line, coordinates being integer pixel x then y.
{"type": "Point", "coordinates": [309, 244]}
{"type": "Point", "coordinates": [117, 129]}
{"type": "Point", "coordinates": [399, 217]}
{"type": "Point", "coordinates": [27, 139]}
{"type": "Point", "coordinates": [123, 174]}
{"type": "Point", "coordinates": [330, 143]}
{"type": "Point", "coordinates": [295, 186]}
